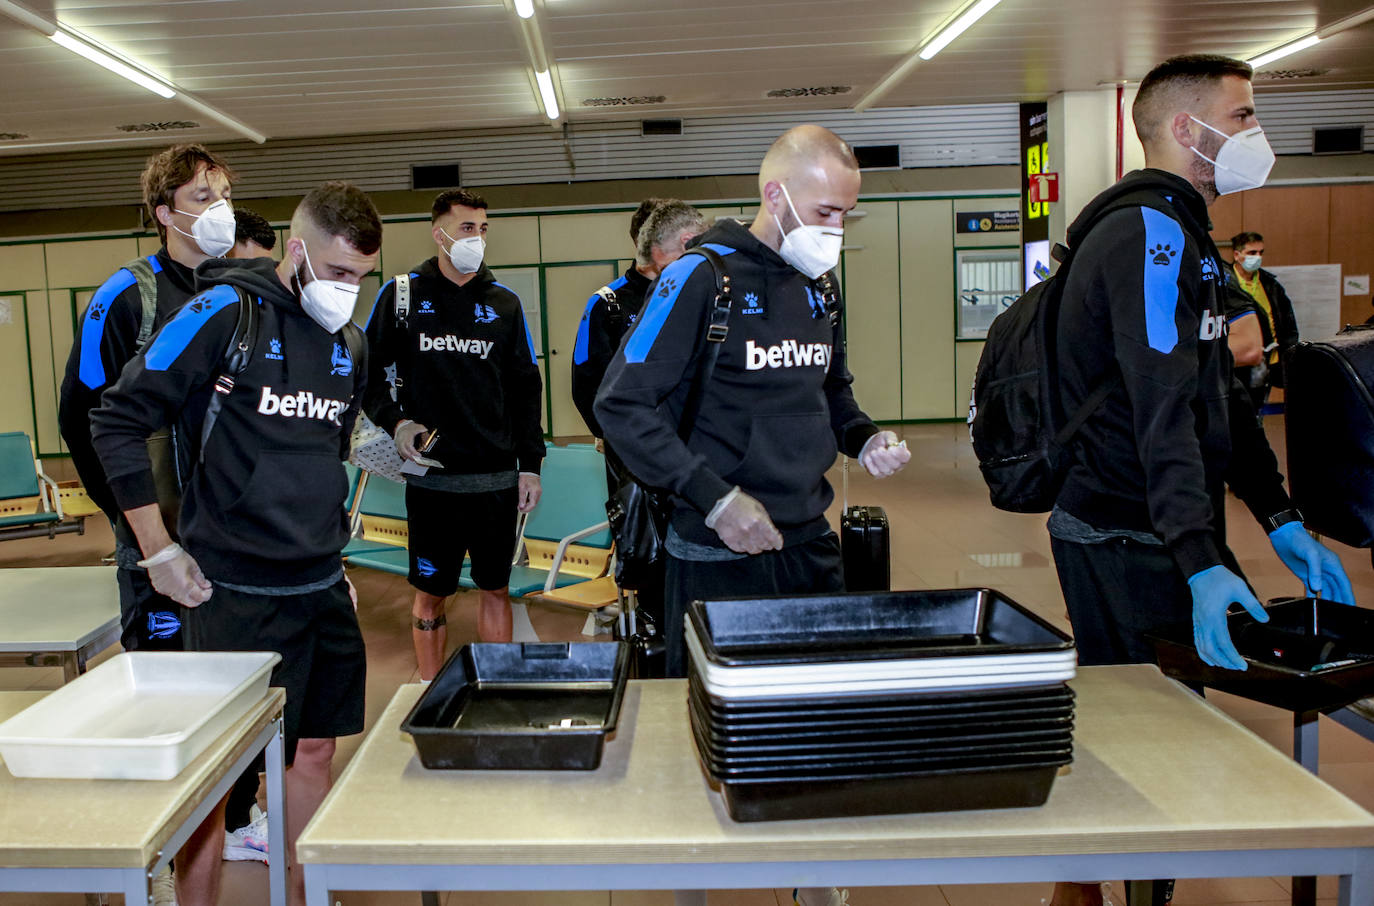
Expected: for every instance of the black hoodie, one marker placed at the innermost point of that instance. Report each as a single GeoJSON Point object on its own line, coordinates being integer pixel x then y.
{"type": "Point", "coordinates": [264, 503]}
{"type": "Point", "coordinates": [1145, 299]}
{"type": "Point", "coordinates": [467, 367]}
{"type": "Point", "coordinates": [777, 407]}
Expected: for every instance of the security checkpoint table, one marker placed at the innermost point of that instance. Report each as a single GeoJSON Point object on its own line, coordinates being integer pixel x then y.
{"type": "Point", "coordinates": [114, 836]}
{"type": "Point", "coordinates": [1162, 785]}
{"type": "Point", "coordinates": [51, 616]}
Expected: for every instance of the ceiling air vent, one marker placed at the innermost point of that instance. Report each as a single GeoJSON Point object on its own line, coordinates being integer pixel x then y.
{"type": "Point", "coordinates": [635, 101]}
{"type": "Point", "coordinates": [11, 136]}
{"type": "Point", "coordinates": [166, 126]}
{"type": "Point", "coordinates": [1338, 140]}
{"type": "Point", "coordinates": [821, 91]}
{"type": "Point", "coordinates": [879, 157]}
{"type": "Point", "coordinates": [660, 127]}
{"type": "Point", "coordinates": [1277, 75]}
{"type": "Point", "coordinates": [435, 176]}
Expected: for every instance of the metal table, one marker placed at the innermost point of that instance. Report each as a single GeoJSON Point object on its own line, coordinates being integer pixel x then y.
{"type": "Point", "coordinates": [114, 836]}
{"type": "Point", "coordinates": [57, 616]}
{"type": "Point", "coordinates": [1162, 785]}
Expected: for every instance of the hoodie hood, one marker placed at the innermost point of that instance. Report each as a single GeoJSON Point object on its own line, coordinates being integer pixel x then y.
{"type": "Point", "coordinates": [255, 276]}
{"type": "Point", "coordinates": [735, 235]}
{"type": "Point", "coordinates": [483, 278]}
{"type": "Point", "coordinates": [1178, 191]}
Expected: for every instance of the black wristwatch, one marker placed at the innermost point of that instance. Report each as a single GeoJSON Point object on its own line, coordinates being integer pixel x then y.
{"type": "Point", "coordinates": [1293, 514]}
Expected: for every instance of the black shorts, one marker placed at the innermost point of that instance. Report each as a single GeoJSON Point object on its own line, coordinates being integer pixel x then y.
{"type": "Point", "coordinates": [149, 621]}
{"type": "Point", "coordinates": [446, 526]}
{"type": "Point", "coordinates": [323, 666]}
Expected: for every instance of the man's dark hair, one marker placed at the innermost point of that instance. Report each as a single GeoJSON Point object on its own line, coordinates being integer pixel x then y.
{"type": "Point", "coordinates": [340, 208]}
{"type": "Point", "coordinates": [1242, 239]}
{"type": "Point", "coordinates": [250, 226]}
{"type": "Point", "coordinates": [1183, 75]}
{"type": "Point", "coordinates": [172, 168]}
{"type": "Point", "coordinates": [641, 214]}
{"type": "Point", "coordinates": [447, 201]}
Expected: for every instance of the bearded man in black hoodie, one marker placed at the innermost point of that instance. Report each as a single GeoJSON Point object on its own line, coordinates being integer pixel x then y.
{"type": "Point", "coordinates": [262, 517]}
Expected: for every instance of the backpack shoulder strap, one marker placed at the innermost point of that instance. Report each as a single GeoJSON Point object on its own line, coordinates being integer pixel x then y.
{"type": "Point", "coordinates": [145, 276]}
{"type": "Point", "coordinates": [613, 308]}
{"type": "Point", "coordinates": [237, 354]}
{"type": "Point", "coordinates": [357, 352]}
{"type": "Point", "coordinates": [402, 299]}
{"type": "Point", "coordinates": [717, 329]}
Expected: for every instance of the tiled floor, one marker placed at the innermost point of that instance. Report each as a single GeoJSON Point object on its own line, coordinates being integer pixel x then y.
{"type": "Point", "coordinates": [944, 534]}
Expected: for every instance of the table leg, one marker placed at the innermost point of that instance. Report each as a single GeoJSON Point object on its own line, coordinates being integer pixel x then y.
{"type": "Point", "coordinates": [1305, 752]}
{"type": "Point", "coordinates": [72, 666]}
{"type": "Point", "coordinates": [137, 889]}
{"type": "Point", "coordinates": [316, 885]}
{"type": "Point", "coordinates": [1358, 886]}
{"type": "Point", "coordinates": [276, 817]}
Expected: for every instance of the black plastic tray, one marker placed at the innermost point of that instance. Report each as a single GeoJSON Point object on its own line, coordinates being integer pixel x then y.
{"type": "Point", "coordinates": [875, 720]}
{"type": "Point", "coordinates": [836, 757]}
{"type": "Point", "coordinates": [903, 704]}
{"type": "Point", "coordinates": [542, 707]}
{"type": "Point", "coordinates": [869, 626]}
{"type": "Point", "coordinates": [1021, 786]}
{"type": "Point", "coordinates": [1342, 630]}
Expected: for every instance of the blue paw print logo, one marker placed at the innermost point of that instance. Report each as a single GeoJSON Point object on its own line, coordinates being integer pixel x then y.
{"type": "Point", "coordinates": [817, 303]}
{"type": "Point", "coordinates": [484, 314]}
{"type": "Point", "coordinates": [1163, 253]}
{"type": "Point", "coordinates": [97, 311]}
{"type": "Point", "coordinates": [276, 345]}
{"type": "Point", "coordinates": [426, 307]}
{"type": "Point", "coordinates": [751, 299]}
{"type": "Point", "coordinates": [1209, 269]}
{"type": "Point", "coordinates": [424, 567]}
{"type": "Point", "coordinates": [163, 624]}
{"type": "Point", "coordinates": [340, 362]}
{"type": "Point", "coordinates": [666, 288]}
{"type": "Point", "coordinates": [274, 349]}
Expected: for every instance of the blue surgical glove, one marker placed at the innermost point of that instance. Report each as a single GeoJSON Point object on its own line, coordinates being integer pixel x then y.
{"type": "Point", "coordinates": [1214, 590]}
{"type": "Point", "coordinates": [1319, 569]}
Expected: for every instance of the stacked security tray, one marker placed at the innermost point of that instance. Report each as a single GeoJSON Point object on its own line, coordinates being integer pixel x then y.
{"type": "Point", "coordinates": [878, 703]}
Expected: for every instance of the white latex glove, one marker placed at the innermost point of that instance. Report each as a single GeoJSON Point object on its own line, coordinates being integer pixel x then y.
{"type": "Point", "coordinates": [743, 524]}
{"type": "Point", "coordinates": [884, 455]}
{"type": "Point", "coordinates": [530, 491]}
{"type": "Point", "coordinates": [175, 574]}
{"type": "Point", "coordinates": [405, 435]}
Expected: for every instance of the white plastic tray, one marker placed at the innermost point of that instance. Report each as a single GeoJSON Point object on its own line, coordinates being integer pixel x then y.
{"type": "Point", "coordinates": [910, 669]}
{"type": "Point", "coordinates": [143, 715]}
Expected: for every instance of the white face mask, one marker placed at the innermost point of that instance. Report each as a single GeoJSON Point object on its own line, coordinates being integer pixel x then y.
{"type": "Point", "coordinates": [466, 254]}
{"type": "Point", "coordinates": [213, 228]}
{"type": "Point", "coordinates": [1243, 162]}
{"type": "Point", "coordinates": [1251, 263]}
{"type": "Point", "coordinates": [813, 250]}
{"type": "Point", "coordinates": [329, 303]}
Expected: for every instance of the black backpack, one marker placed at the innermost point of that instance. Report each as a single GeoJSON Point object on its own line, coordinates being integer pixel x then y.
{"type": "Point", "coordinates": [1019, 433]}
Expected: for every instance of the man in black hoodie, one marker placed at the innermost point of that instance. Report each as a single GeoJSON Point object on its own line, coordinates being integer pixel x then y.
{"type": "Point", "coordinates": [186, 192]}
{"type": "Point", "coordinates": [262, 517]}
{"type": "Point", "coordinates": [749, 485]}
{"type": "Point", "coordinates": [458, 360]}
{"type": "Point", "coordinates": [1137, 530]}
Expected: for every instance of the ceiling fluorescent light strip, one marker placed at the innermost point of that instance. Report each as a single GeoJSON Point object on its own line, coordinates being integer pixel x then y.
{"type": "Point", "coordinates": [1279, 53]}
{"type": "Point", "coordinates": [546, 94]}
{"type": "Point", "coordinates": [524, 9]}
{"type": "Point", "coordinates": [956, 28]}
{"type": "Point", "coordinates": [118, 67]}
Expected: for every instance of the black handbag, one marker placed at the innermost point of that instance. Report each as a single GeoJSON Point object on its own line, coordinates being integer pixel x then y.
{"type": "Point", "coordinates": [637, 513]}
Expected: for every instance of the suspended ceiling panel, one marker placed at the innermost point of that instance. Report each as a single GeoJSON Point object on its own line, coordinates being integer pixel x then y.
{"type": "Point", "coordinates": [297, 69]}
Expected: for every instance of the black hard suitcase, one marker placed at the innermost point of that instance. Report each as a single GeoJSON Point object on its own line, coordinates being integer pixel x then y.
{"type": "Point", "coordinates": [866, 549]}
{"type": "Point", "coordinates": [1329, 416]}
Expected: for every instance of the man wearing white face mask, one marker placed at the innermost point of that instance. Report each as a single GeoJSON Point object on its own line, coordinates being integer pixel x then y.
{"type": "Point", "coordinates": [452, 354]}
{"type": "Point", "coordinates": [1138, 529]}
{"type": "Point", "coordinates": [185, 191]}
{"type": "Point", "coordinates": [262, 520]}
{"type": "Point", "coordinates": [750, 480]}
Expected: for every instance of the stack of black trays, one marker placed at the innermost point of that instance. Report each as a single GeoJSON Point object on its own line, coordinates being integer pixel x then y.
{"type": "Point", "coordinates": [878, 703]}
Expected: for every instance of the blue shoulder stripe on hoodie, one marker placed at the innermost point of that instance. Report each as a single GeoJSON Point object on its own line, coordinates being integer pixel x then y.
{"type": "Point", "coordinates": [173, 339]}
{"type": "Point", "coordinates": [657, 309]}
{"type": "Point", "coordinates": [584, 325]}
{"type": "Point", "coordinates": [156, 265]}
{"type": "Point", "coordinates": [1163, 251]}
{"type": "Point", "coordinates": [529, 338]}
{"type": "Point", "coordinates": [91, 368]}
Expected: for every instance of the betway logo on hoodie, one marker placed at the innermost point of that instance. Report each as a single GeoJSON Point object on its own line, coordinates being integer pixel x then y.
{"type": "Point", "coordinates": [787, 354]}
{"type": "Point", "coordinates": [302, 404]}
{"type": "Point", "coordinates": [450, 343]}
